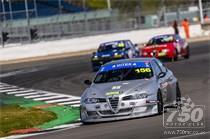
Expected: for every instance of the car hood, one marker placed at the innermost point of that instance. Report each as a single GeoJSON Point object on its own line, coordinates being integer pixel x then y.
{"type": "Point", "coordinates": [157, 47]}
{"type": "Point", "coordinates": [109, 53]}
{"type": "Point", "coordinates": [124, 87]}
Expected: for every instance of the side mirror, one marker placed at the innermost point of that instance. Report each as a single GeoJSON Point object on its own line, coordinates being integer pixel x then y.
{"type": "Point", "coordinates": [87, 82]}
{"type": "Point", "coordinates": [136, 45]}
{"type": "Point", "coordinates": [161, 75]}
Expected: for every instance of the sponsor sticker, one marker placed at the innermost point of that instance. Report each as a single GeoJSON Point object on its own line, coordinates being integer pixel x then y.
{"type": "Point", "coordinates": [113, 93]}
{"type": "Point", "coordinates": [116, 87]}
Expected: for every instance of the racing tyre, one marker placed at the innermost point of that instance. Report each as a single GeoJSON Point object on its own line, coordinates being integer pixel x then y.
{"type": "Point", "coordinates": [81, 120]}
{"type": "Point", "coordinates": [160, 102]}
{"type": "Point", "coordinates": [178, 96]}
{"type": "Point", "coordinates": [175, 58]}
{"type": "Point", "coordinates": [187, 56]}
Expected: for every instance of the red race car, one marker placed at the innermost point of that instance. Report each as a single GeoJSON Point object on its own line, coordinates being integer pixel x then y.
{"type": "Point", "coordinates": [166, 47]}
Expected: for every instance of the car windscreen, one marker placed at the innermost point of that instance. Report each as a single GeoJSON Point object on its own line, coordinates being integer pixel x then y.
{"type": "Point", "coordinates": [124, 74]}
{"type": "Point", "coordinates": [161, 40]}
{"type": "Point", "coordinates": [111, 46]}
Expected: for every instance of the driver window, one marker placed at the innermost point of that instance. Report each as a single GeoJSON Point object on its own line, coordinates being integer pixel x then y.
{"type": "Point", "coordinates": [156, 68]}
{"type": "Point", "coordinates": [161, 65]}
{"type": "Point", "coordinates": [130, 45]}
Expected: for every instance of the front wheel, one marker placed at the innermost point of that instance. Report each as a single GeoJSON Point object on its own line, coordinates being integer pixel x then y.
{"type": "Point", "coordinates": [160, 102]}
{"type": "Point", "coordinates": [178, 96]}
{"type": "Point", "coordinates": [187, 56]}
{"type": "Point", "coordinates": [175, 57]}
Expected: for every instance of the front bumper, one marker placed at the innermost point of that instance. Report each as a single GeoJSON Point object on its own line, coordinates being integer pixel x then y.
{"type": "Point", "coordinates": [158, 54]}
{"type": "Point", "coordinates": [91, 113]}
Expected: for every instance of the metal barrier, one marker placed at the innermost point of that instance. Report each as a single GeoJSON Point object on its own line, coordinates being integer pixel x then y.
{"type": "Point", "coordinates": [92, 23]}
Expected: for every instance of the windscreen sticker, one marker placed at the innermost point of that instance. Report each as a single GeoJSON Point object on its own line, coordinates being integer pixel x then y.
{"type": "Point", "coordinates": [124, 65]}
{"type": "Point", "coordinates": [112, 93]}
{"type": "Point", "coordinates": [114, 44]}
{"type": "Point", "coordinates": [116, 87]}
{"type": "Point", "coordinates": [121, 44]}
{"type": "Point", "coordinates": [143, 70]}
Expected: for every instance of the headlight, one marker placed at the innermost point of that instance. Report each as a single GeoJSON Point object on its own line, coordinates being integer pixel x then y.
{"type": "Point", "coordinates": [140, 96]}
{"type": "Point", "coordinates": [95, 57]}
{"type": "Point", "coordinates": [90, 100]}
{"type": "Point", "coordinates": [117, 55]}
{"type": "Point", "coordinates": [165, 50]}
{"type": "Point", "coordinates": [136, 96]}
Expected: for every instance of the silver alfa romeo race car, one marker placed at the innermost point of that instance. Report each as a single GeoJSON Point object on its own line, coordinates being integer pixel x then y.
{"type": "Point", "coordinates": [127, 89]}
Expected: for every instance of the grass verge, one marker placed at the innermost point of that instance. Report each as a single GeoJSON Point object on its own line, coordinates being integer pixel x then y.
{"type": "Point", "coordinates": [14, 117]}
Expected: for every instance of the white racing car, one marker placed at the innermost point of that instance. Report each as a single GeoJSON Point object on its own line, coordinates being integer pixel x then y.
{"type": "Point", "coordinates": [128, 89]}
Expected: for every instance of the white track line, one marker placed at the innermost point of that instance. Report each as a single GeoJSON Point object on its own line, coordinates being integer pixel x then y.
{"type": "Point", "coordinates": [60, 100]}
{"type": "Point", "coordinates": [7, 86]}
{"type": "Point", "coordinates": [76, 105]}
{"type": "Point", "coordinates": [9, 90]}
{"type": "Point", "coordinates": [38, 96]}
{"type": "Point", "coordinates": [48, 98]}
{"type": "Point", "coordinates": [21, 91]}
{"type": "Point", "coordinates": [61, 128]}
{"type": "Point", "coordinates": [68, 103]}
{"type": "Point", "coordinates": [26, 94]}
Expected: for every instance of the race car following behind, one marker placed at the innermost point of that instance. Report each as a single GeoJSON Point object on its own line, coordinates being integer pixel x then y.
{"type": "Point", "coordinates": [114, 50]}
{"type": "Point", "coordinates": [166, 47]}
{"type": "Point", "coordinates": [129, 88]}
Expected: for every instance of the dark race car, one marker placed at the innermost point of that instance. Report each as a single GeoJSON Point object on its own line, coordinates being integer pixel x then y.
{"type": "Point", "coordinates": [115, 50]}
{"type": "Point", "coordinates": [166, 47]}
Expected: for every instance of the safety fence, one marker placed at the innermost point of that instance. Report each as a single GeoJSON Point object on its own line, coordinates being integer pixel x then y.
{"type": "Point", "coordinates": [93, 23]}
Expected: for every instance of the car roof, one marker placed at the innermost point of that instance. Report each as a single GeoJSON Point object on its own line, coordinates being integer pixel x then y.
{"type": "Point", "coordinates": [163, 35]}
{"type": "Point", "coordinates": [114, 41]}
{"type": "Point", "coordinates": [130, 60]}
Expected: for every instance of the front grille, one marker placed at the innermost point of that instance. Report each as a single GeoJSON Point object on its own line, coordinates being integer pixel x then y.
{"type": "Point", "coordinates": [125, 110]}
{"type": "Point", "coordinates": [109, 112]}
{"type": "Point", "coordinates": [114, 102]}
{"type": "Point", "coordinates": [106, 112]}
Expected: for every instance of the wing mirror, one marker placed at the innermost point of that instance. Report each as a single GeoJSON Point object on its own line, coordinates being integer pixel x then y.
{"type": "Point", "coordinates": [161, 75]}
{"type": "Point", "coordinates": [87, 82]}
{"type": "Point", "coordinates": [136, 45]}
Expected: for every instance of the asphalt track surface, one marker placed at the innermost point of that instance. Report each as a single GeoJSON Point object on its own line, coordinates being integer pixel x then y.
{"type": "Point", "coordinates": [66, 76]}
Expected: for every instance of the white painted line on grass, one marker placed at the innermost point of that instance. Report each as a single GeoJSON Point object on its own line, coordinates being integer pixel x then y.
{"type": "Point", "coordinates": [76, 105]}
{"type": "Point", "coordinates": [60, 100]}
{"type": "Point", "coordinates": [48, 98]}
{"type": "Point", "coordinates": [60, 128]}
{"type": "Point", "coordinates": [68, 103]}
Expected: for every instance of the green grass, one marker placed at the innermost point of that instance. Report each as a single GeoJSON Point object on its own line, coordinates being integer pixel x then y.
{"type": "Point", "coordinates": [14, 117]}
